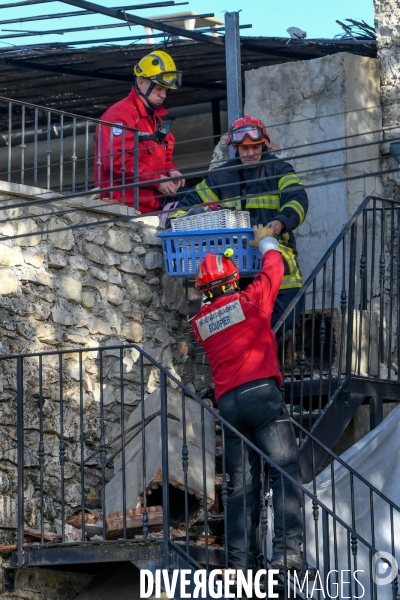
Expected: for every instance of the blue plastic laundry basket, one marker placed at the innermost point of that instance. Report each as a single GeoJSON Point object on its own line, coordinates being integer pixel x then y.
{"type": "Point", "coordinates": [183, 250]}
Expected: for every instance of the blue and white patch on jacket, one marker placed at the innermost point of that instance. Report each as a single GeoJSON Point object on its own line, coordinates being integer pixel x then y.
{"type": "Point", "coordinates": [220, 319]}
{"type": "Point", "coordinates": [117, 130]}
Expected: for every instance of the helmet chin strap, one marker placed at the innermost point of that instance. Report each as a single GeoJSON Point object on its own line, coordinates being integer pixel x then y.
{"type": "Point", "coordinates": [147, 94]}
{"type": "Point", "coordinates": [216, 293]}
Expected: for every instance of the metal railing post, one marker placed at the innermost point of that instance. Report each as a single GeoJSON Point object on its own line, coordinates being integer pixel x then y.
{"type": "Point", "coordinates": [41, 452]}
{"type": "Point", "coordinates": [382, 270]}
{"type": "Point", "coordinates": [391, 280]}
{"type": "Point", "coordinates": [82, 442]}
{"type": "Point", "coordinates": [23, 146]}
{"type": "Point", "coordinates": [398, 292]}
{"type": "Point", "coordinates": [225, 494]}
{"type": "Point", "coordinates": [61, 446]}
{"type": "Point", "coordinates": [165, 477]}
{"type": "Point", "coordinates": [74, 158]}
{"type": "Point", "coordinates": [111, 142]}
{"type": "Point", "coordinates": [48, 152]}
{"type": "Point", "coordinates": [9, 150]}
{"type": "Point", "coordinates": [86, 156]}
{"type": "Point", "coordinates": [98, 153]}
{"type": "Point", "coordinates": [123, 442]}
{"type": "Point", "coordinates": [20, 455]}
{"type": "Point", "coordinates": [145, 518]}
{"type": "Point", "coordinates": [371, 285]}
{"type": "Point", "coordinates": [185, 468]}
{"type": "Point", "coordinates": [61, 181]}
{"type": "Point", "coordinates": [350, 305]}
{"type": "Point", "coordinates": [102, 447]}
{"type": "Point", "coordinates": [136, 169]}
{"type": "Point", "coordinates": [35, 148]}
{"type": "Point", "coordinates": [123, 167]}
{"type": "Point", "coordinates": [325, 542]}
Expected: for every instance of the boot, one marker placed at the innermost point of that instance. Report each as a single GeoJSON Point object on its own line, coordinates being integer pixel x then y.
{"type": "Point", "coordinates": [294, 562]}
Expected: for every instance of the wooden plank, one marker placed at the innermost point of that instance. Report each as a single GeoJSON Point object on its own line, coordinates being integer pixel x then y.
{"type": "Point", "coordinates": [10, 547]}
{"type": "Point", "coordinates": [115, 521]}
{"type": "Point", "coordinates": [134, 524]}
{"type": "Point", "coordinates": [35, 533]}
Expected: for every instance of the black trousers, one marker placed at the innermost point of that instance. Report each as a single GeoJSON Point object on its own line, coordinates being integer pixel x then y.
{"type": "Point", "coordinates": [257, 410]}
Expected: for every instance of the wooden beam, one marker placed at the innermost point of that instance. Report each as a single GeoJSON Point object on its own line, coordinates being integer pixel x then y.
{"type": "Point", "coordinates": [63, 70]}
{"type": "Point", "coordinates": [123, 16]}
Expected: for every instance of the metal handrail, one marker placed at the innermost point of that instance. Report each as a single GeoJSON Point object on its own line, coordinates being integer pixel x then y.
{"type": "Point", "coordinates": [345, 229]}
{"type": "Point", "coordinates": [35, 164]}
{"type": "Point", "coordinates": [316, 502]}
{"type": "Point", "coordinates": [347, 306]}
{"type": "Point", "coordinates": [56, 111]}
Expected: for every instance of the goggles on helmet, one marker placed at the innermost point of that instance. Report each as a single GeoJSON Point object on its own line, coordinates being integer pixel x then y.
{"type": "Point", "coordinates": [255, 133]}
{"type": "Point", "coordinates": [169, 79]}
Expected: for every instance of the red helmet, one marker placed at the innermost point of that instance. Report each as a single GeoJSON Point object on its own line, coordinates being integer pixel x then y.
{"type": "Point", "coordinates": [215, 270]}
{"type": "Point", "coordinates": [247, 130]}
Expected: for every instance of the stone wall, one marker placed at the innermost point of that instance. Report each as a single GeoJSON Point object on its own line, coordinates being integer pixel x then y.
{"type": "Point", "coordinates": [96, 286]}
{"type": "Point", "coordinates": [387, 19]}
{"type": "Point", "coordinates": [311, 107]}
{"type": "Point", "coordinates": [305, 105]}
{"type": "Point", "coordinates": [324, 107]}
{"type": "Point", "coordinates": [43, 584]}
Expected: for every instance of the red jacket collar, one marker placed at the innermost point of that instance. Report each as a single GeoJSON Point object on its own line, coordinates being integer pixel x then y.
{"type": "Point", "coordinates": [136, 99]}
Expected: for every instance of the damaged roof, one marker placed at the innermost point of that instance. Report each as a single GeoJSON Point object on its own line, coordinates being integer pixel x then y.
{"type": "Point", "coordinates": [87, 81]}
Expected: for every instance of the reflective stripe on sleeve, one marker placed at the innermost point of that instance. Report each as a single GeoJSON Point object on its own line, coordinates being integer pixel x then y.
{"type": "Point", "coordinates": [289, 282]}
{"type": "Point", "coordinates": [297, 207]}
{"type": "Point", "coordinates": [205, 192]}
{"type": "Point", "coordinates": [255, 201]}
{"type": "Point", "coordinates": [268, 201]}
{"type": "Point", "coordinates": [290, 179]}
{"type": "Point", "coordinates": [293, 279]}
{"type": "Point", "coordinates": [233, 202]}
{"type": "Point", "coordinates": [289, 256]}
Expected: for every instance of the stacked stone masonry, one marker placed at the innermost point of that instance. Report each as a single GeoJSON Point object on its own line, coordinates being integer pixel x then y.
{"type": "Point", "coordinates": [387, 19]}
{"type": "Point", "coordinates": [387, 27]}
{"type": "Point", "coordinates": [44, 584]}
{"type": "Point", "coordinates": [97, 286]}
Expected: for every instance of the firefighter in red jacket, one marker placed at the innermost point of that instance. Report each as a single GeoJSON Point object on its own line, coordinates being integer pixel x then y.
{"type": "Point", "coordinates": [235, 330]}
{"type": "Point", "coordinates": [155, 74]}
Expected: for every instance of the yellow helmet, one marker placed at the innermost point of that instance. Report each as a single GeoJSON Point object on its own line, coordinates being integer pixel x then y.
{"type": "Point", "coordinates": [159, 67]}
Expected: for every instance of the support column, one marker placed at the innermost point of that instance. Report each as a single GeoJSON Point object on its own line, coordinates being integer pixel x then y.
{"type": "Point", "coordinates": [233, 68]}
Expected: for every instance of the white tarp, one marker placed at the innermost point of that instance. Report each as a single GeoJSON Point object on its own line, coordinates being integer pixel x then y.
{"type": "Point", "coordinates": [376, 457]}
